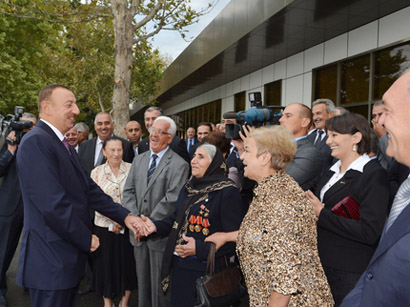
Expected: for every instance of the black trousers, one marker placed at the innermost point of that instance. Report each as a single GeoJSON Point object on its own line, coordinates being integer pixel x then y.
{"type": "Point", "coordinates": [53, 298]}
{"type": "Point", "coordinates": [10, 231]}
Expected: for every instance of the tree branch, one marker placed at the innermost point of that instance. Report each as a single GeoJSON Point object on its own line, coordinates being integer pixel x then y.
{"type": "Point", "coordinates": [150, 16]}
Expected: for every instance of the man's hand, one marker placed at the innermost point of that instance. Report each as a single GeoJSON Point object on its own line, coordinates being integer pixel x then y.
{"type": "Point", "coordinates": [188, 249]}
{"type": "Point", "coordinates": [12, 148]}
{"type": "Point", "coordinates": [148, 226]}
{"type": "Point", "coordinates": [132, 223]}
{"type": "Point", "coordinates": [95, 243]}
{"type": "Point", "coordinates": [116, 228]}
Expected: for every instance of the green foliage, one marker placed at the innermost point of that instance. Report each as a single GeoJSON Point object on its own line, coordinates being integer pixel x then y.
{"type": "Point", "coordinates": [23, 60]}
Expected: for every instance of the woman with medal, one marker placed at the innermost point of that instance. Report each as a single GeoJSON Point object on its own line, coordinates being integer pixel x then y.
{"type": "Point", "coordinates": [208, 203]}
{"type": "Point", "coordinates": [114, 264]}
{"type": "Point", "coordinates": [276, 243]}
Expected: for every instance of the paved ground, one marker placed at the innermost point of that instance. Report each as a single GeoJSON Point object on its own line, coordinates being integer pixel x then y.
{"type": "Point", "coordinates": [17, 297]}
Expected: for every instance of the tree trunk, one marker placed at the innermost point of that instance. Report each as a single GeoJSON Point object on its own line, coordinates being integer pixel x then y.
{"type": "Point", "coordinates": [123, 35]}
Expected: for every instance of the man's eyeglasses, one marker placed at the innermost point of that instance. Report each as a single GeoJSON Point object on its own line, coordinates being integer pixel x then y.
{"type": "Point", "coordinates": [152, 130]}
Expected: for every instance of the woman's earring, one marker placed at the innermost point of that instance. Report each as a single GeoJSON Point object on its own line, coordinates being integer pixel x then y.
{"type": "Point", "coordinates": [354, 147]}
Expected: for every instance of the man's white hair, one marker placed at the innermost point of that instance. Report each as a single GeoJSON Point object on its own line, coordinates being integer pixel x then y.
{"type": "Point", "coordinates": [173, 127]}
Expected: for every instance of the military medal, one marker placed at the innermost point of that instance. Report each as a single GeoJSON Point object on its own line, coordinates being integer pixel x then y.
{"type": "Point", "coordinates": [206, 224]}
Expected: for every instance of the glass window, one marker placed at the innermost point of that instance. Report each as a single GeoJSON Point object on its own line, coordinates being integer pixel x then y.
{"type": "Point", "coordinates": [389, 64]}
{"type": "Point", "coordinates": [354, 85]}
{"type": "Point", "coordinates": [326, 83]}
{"type": "Point", "coordinates": [273, 93]}
{"type": "Point", "coordinates": [239, 101]}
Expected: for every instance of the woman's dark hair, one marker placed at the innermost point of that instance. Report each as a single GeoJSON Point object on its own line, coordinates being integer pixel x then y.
{"type": "Point", "coordinates": [112, 138]}
{"type": "Point", "coordinates": [218, 139]}
{"type": "Point", "coordinates": [351, 123]}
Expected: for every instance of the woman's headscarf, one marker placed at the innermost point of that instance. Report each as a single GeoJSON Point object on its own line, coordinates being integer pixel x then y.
{"type": "Point", "coordinates": [196, 189]}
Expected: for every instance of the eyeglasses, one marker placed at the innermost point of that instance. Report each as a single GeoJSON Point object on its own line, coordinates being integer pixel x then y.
{"type": "Point", "coordinates": [152, 130]}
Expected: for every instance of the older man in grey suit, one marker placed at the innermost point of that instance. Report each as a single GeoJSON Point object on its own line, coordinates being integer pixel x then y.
{"type": "Point", "coordinates": [152, 188]}
{"type": "Point", "coordinates": [308, 162]}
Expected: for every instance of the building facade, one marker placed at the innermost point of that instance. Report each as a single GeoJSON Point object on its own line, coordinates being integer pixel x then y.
{"type": "Point", "coordinates": [350, 51]}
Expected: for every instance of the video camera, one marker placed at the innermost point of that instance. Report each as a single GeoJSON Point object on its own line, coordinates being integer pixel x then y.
{"type": "Point", "coordinates": [13, 123]}
{"type": "Point", "coordinates": [258, 115]}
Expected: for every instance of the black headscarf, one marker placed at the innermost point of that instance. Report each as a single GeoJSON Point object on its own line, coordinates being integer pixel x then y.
{"type": "Point", "coordinates": [196, 189]}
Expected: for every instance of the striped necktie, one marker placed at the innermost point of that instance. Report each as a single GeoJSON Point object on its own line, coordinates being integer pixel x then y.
{"type": "Point", "coordinates": [65, 142]}
{"type": "Point", "coordinates": [152, 167]}
{"type": "Point", "coordinates": [401, 200]}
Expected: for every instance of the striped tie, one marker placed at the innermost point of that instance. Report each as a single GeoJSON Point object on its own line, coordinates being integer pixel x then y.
{"type": "Point", "coordinates": [152, 167]}
{"type": "Point", "coordinates": [65, 142]}
{"type": "Point", "coordinates": [401, 200]}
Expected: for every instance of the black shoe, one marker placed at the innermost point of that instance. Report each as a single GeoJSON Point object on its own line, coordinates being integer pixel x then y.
{"type": "Point", "coordinates": [3, 301]}
{"type": "Point", "coordinates": [84, 290]}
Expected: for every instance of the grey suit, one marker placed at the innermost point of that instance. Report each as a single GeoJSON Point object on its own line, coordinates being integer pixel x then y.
{"type": "Point", "coordinates": [155, 200]}
{"type": "Point", "coordinates": [307, 165]}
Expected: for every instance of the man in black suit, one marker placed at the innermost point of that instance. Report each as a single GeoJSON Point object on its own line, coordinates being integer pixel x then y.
{"type": "Point", "coordinates": [322, 110]}
{"type": "Point", "coordinates": [203, 130]}
{"type": "Point", "coordinates": [11, 208]}
{"type": "Point", "coordinates": [191, 139]}
{"type": "Point", "coordinates": [133, 132]}
{"type": "Point", "coordinates": [307, 164]}
{"type": "Point", "coordinates": [90, 152]}
{"type": "Point", "coordinates": [178, 145]}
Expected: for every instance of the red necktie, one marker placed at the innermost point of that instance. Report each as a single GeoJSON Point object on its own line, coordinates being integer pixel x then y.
{"type": "Point", "coordinates": [66, 144]}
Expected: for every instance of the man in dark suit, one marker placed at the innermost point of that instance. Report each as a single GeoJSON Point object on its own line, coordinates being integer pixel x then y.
{"type": "Point", "coordinates": [152, 188]}
{"type": "Point", "coordinates": [133, 132]}
{"type": "Point", "coordinates": [178, 145]}
{"type": "Point", "coordinates": [308, 162]}
{"type": "Point", "coordinates": [191, 139]}
{"type": "Point", "coordinates": [90, 151]}
{"type": "Point", "coordinates": [322, 110]}
{"type": "Point", "coordinates": [11, 208]}
{"type": "Point", "coordinates": [203, 130]}
{"type": "Point", "coordinates": [385, 282]}
{"type": "Point", "coordinates": [57, 195]}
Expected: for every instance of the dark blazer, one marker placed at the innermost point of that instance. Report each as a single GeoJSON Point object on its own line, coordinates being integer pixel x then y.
{"type": "Point", "coordinates": [10, 194]}
{"type": "Point", "coordinates": [57, 196]}
{"type": "Point", "coordinates": [328, 160]}
{"type": "Point", "coordinates": [386, 281]}
{"type": "Point", "coordinates": [178, 145]}
{"type": "Point", "coordinates": [347, 244]}
{"type": "Point", "coordinates": [86, 153]}
{"type": "Point", "coordinates": [307, 165]}
{"type": "Point", "coordinates": [186, 143]}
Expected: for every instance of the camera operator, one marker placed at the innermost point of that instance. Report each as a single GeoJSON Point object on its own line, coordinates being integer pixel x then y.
{"type": "Point", "coordinates": [11, 206]}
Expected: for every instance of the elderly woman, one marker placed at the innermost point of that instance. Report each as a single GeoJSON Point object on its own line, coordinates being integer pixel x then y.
{"type": "Point", "coordinates": [114, 265]}
{"type": "Point", "coordinates": [208, 203]}
{"type": "Point", "coordinates": [346, 244]}
{"type": "Point", "coordinates": [276, 242]}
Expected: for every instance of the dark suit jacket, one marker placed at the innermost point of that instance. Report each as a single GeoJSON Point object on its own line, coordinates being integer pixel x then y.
{"type": "Point", "coordinates": [57, 196]}
{"type": "Point", "coordinates": [178, 145]}
{"type": "Point", "coordinates": [10, 194]}
{"type": "Point", "coordinates": [347, 244]}
{"type": "Point", "coordinates": [86, 153]}
{"type": "Point", "coordinates": [307, 165]}
{"type": "Point", "coordinates": [386, 281]}
{"type": "Point", "coordinates": [186, 143]}
{"type": "Point", "coordinates": [328, 160]}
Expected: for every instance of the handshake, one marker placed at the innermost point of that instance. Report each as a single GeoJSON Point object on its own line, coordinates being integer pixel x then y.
{"type": "Point", "coordinates": [143, 227]}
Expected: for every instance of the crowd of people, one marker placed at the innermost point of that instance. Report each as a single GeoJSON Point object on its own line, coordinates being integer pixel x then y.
{"type": "Point", "coordinates": [314, 210]}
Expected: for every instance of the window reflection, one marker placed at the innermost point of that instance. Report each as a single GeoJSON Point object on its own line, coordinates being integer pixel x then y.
{"type": "Point", "coordinates": [326, 83]}
{"type": "Point", "coordinates": [210, 112]}
{"type": "Point", "coordinates": [239, 101]}
{"type": "Point", "coordinates": [389, 64]}
{"type": "Point", "coordinates": [355, 80]}
{"type": "Point", "coordinates": [273, 93]}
